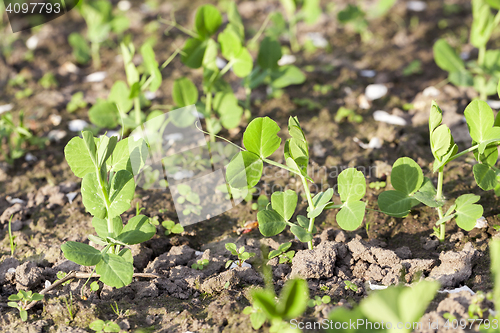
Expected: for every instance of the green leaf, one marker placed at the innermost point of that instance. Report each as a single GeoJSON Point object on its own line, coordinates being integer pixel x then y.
{"type": "Point", "coordinates": [446, 58]}
{"type": "Point", "coordinates": [104, 114]}
{"type": "Point", "coordinates": [291, 302]}
{"type": "Point", "coordinates": [242, 63]}
{"type": "Point", "coordinates": [23, 314]}
{"type": "Point", "coordinates": [244, 170]}
{"type": "Point", "coordinates": [115, 271]}
{"type": "Point", "coordinates": [261, 137]}
{"type": "Point", "coordinates": [194, 52]}
{"type": "Point", "coordinates": [311, 11]}
{"type": "Point", "coordinates": [479, 117]}
{"type": "Point", "coordinates": [78, 158]}
{"type": "Point", "coordinates": [495, 4]}
{"type": "Point", "coordinates": [435, 117]}
{"type": "Point", "coordinates": [119, 95]}
{"type": "Point", "coordinates": [351, 185]}
{"type": "Point", "coordinates": [101, 226]}
{"type": "Point", "coordinates": [351, 215]}
{"type": "Point", "coordinates": [92, 196]}
{"type": "Point", "coordinates": [257, 319]}
{"type": "Point", "coordinates": [485, 176]}
{"type": "Point", "coordinates": [284, 203]}
{"type": "Point", "coordinates": [427, 194]}
{"type": "Point", "coordinates": [467, 211]}
{"type": "Point", "coordinates": [394, 203]}
{"type": "Point", "coordinates": [129, 155]}
{"type": "Point", "coordinates": [208, 20]}
{"type": "Point", "coordinates": [137, 230]}
{"type": "Point", "coordinates": [441, 141]}
{"type": "Point", "coordinates": [492, 136]}
{"type": "Point", "coordinates": [127, 255]}
{"type": "Point", "coordinates": [406, 175]}
{"type": "Point", "coordinates": [304, 223]}
{"type": "Point", "coordinates": [440, 163]}
{"type": "Point", "coordinates": [286, 76]}
{"type": "Point", "coordinates": [230, 43]}
{"type": "Point", "coordinates": [270, 222]}
{"type": "Point", "coordinates": [97, 325]}
{"type": "Point", "coordinates": [81, 48]}
{"type": "Point", "coordinates": [462, 78]}
{"type": "Point", "coordinates": [105, 147]}
{"type": "Point", "coordinates": [37, 297]}
{"type": "Point", "coordinates": [302, 234]}
{"type": "Point", "coordinates": [269, 53]}
{"type": "Point", "coordinates": [80, 253]}
{"type": "Point", "coordinates": [184, 92]}
{"type": "Point", "coordinates": [226, 105]}
{"type": "Point", "coordinates": [320, 201]}
{"type": "Point", "coordinates": [264, 300]}
{"type": "Point", "coordinates": [235, 20]}
{"type": "Point", "coordinates": [148, 56]}
{"type": "Point", "coordinates": [177, 229]}
{"type": "Point", "coordinates": [231, 247]}
{"type": "Point", "coordinates": [121, 192]}
{"type": "Point", "coordinates": [483, 23]}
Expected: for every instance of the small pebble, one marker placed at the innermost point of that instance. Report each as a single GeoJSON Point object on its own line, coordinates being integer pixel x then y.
{"type": "Point", "coordinates": [481, 223]}
{"type": "Point", "coordinates": [113, 133]}
{"type": "Point", "coordinates": [375, 143]}
{"type": "Point", "coordinates": [287, 59]}
{"type": "Point", "coordinates": [11, 270]}
{"type": "Point", "coordinates": [71, 196]}
{"type": "Point", "coordinates": [30, 157]}
{"type": "Point", "coordinates": [150, 95]}
{"type": "Point", "coordinates": [198, 253]}
{"type": "Point", "coordinates": [47, 283]}
{"type": "Point", "coordinates": [77, 125]}
{"type": "Point", "coordinates": [318, 40]}
{"type": "Point", "coordinates": [5, 108]}
{"type": "Point", "coordinates": [124, 5]}
{"type": "Point", "coordinates": [416, 6]}
{"type": "Point", "coordinates": [367, 73]}
{"type": "Point", "coordinates": [431, 92]}
{"type": "Point", "coordinates": [375, 91]}
{"type": "Point", "coordinates": [32, 42]}
{"type": "Point", "coordinates": [363, 102]}
{"type": "Point", "coordinates": [95, 77]}
{"type": "Point", "coordinates": [464, 55]}
{"type": "Point", "coordinates": [388, 118]}
{"type": "Point", "coordinates": [493, 104]}
{"type": "Point", "coordinates": [56, 135]}
{"type": "Point", "coordinates": [55, 119]}
{"type": "Point", "coordinates": [183, 174]}
{"type": "Point", "coordinates": [13, 201]}
{"type": "Point", "coordinates": [68, 67]}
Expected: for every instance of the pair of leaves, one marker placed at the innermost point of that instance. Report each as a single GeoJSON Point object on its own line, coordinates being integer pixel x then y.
{"type": "Point", "coordinates": [235, 52]}
{"type": "Point", "coordinates": [483, 23]}
{"type": "Point", "coordinates": [465, 210]}
{"type": "Point", "coordinates": [407, 178]}
{"type": "Point", "coordinates": [351, 188]}
{"type": "Point", "coordinates": [443, 146]}
{"type": "Point", "coordinates": [290, 304]}
{"type": "Point", "coordinates": [296, 147]}
{"type": "Point", "coordinates": [447, 59]}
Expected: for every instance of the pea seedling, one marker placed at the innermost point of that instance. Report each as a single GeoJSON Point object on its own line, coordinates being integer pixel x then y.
{"type": "Point", "coordinates": [104, 326]}
{"type": "Point", "coordinates": [350, 285]}
{"type": "Point", "coordinates": [483, 73]}
{"type": "Point", "coordinates": [100, 23]}
{"type": "Point", "coordinates": [172, 228]}
{"type": "Point", "coordinates": [240, 253]}
{"type": "Point", "coordinates": [289, 305]}
{"type": "Point", "coordinates": [200, 264]}
{"type": "Point", "coordinates": [76, 102]}
{"type": "Point", "coordinates": [245, 170]}
{"type": "Point", "coordinates": [412, 188]}
{"type": "Point", "coordinates": [318, 301]}
{"type": "Point", "coordinates": [107, 168]}
{"type": "Point", "coordinates": [123, 96]}
{"type": "Point", "coordinates": [282, 254]}
{"type": "Point", "coordinates": [23, 298]}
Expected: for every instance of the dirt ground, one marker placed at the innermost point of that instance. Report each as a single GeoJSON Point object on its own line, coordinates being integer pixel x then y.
{"type": "Point", "coordinates": [384, 251]}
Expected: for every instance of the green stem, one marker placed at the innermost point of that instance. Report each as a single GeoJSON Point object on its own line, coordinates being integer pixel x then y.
{"type": "Point", "coordinates": [261, 29]}
{"type": "Point", "coordinates": [169, 60]}
{"type": "Point", "coordinates": [96, 58]}
{"type": "Point", "coordinates": [208, 111]}
{"type": "Point", "coordinates": [462, 153]}
{"type": "Point", "coordinates": [439, 196]}
{"type": "Point", "coordinates": [279, 165]}
{"type": "Point", "coordinates": [137, 110]}
{"type": "Point", "coordinates": [311, 208]}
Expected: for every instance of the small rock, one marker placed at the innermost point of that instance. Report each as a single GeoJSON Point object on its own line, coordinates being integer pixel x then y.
{"type": "Point", "coordinates": [32, 42]}
{"type": "Point", "coordinates": [455, 267]}
{"type": "Point", "coordinates": [318, 40]}
{"type": "Point", "coordinates": [55, 119]}
{"type": "Point", "coordinates": [416, 6]}
{"type": "Point", "coordinates": [56, 135]}
{"type": "Point", "coordinates": [403, 252]}
{"type": "Point", "coordinates": [456, 237]}
{"type": "Point", "coordinates": [220, 63]}
{"type": "Point", "coordinates": [5, 108]}
{"type": "Point", "coordinates": [375, 91]}
{"type": "Point", "coordinates": [481, 223]}
{"type": "Point", "coordinates": [493, 104]}
{"type": "Point", "coordinates": [287, 59]}
{"type": "Point", "coordinates": [77, 125]}
{"type": "Point", "coordinates": [29, 275]}
{"type": "Point", "coordinates": [30, 157]}
{"type": "Point", "coordinates": [96, 77]}
{"type": "Point", "coordinates": [431, 92]}
{"type": "Point", "coordinates": [68, 68]}
{"type": "Point", "coordinates": [367, 73]}
{"type": "Point", "coordinates": [385, 117]}
{"type": "Point", "coordinates": [317, 263]}
{"type": "Point", "coordinates": [71, 196]}
{"type": "Point", "coordinates": [124, 5]}
{"type": "Point", "coordinates": [429, 243]}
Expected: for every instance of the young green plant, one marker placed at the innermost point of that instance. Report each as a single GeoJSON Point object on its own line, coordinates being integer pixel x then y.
{"type": "Point", "coordinates": [104, 326]}
{"type": "Point", "coordinates": [245, 170]}
{"type": "Point", "coordinates": [107, 168]}
{"type": "Point", "coordinates": [240, 253]}
{"type": "Point", "coordinates": [200, 264]}
{"type": "Point", "coordinates": [412, 188]}
{"type": "Point", "coordinates": [172, 228]}
{"type": "Point", "coordinates": [11, 238]}
{"type": "Point", "coordinates": [282, 254]}
{"type": "Point", "coordinates": [482, 73]}
{"type": "Point", "coordinates": [21, 300]}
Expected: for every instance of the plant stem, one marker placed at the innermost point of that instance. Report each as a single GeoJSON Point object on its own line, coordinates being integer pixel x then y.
{"type": "Point", "coordinates": [439, 196]}
{"type": "Point", "coordinates": [137, 110]}
{"type": "Point", "coordinates": [468, 150]}
{"type": "Point", "coordinates": [169, 60]}
{"type": "Point", "coordinates": [11, 238]}
{"type": "Point", "coordinates": [261, 30]}
{"type": "Point", "coordinates": [279, 165]}
{"type": "Point", "coordinates": [208, 111]}
{"type": "Point", "coordinates": [311, 208]}
{"type": "Point", "coordinates": [96, 58]}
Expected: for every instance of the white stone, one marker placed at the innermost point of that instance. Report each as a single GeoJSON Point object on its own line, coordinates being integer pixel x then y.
{"type": "Point", "coordinates": [124, 5]}
{"type": "Point", "coordinates": [375, 143]}
{"type": "Point", "coordinates": [367, 73]}
{"type": "Point", "coordinates": [376, 286]}
{"type": "Point", "coordinates": [95, 77]}
{"type": "Point", "coordinates": [55, 119]}
{"type": "Point", "coordinates": [431, 92]}
{"type": "Point", "coordinates": [318, 40]}
{"type": "Point", "coordinates": [465, 55]}
{"type": "Point", "coordinates": [32, 42]}
{"type": "Point", "coordinates": [56, 135]}
{"type": "Point", "coordinates": [71, 196]}
{"type": "Point", "coordinates": [5, 108]}
{"type": "Point", "coordinates": [287, 59]}
{"type": "Point", "coordinates": [47, 283]}
{"type": "Point", "coordinates": [150, 95]}
{"type": "Point", "coordinates": [77, 125]}
{"type": "Point", "coordinates": [14, 201]}
{"type": "Point", "coordinates": [481, 223]}
{"type": "Point", "coordinates": [11, 270]}
{"type": "Point", "coordinates": [113, 133]}
{"type": "Point", "coordinates": [375, 91]}
{"type": "Point", "coordinates": [493, 104]}
{"type": "Point", "coordinates": [183, 174]}
{"type": "Point", "coordinates": [388, 118]}
{"type": "Point", "coordinates": [30, 157]}
{"type": "Point", "coordinates": [416, 6]}
{"type": "Point", "coordinates": [198, 253]}
{"type": "Point", "coordinates": [244, 264]}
